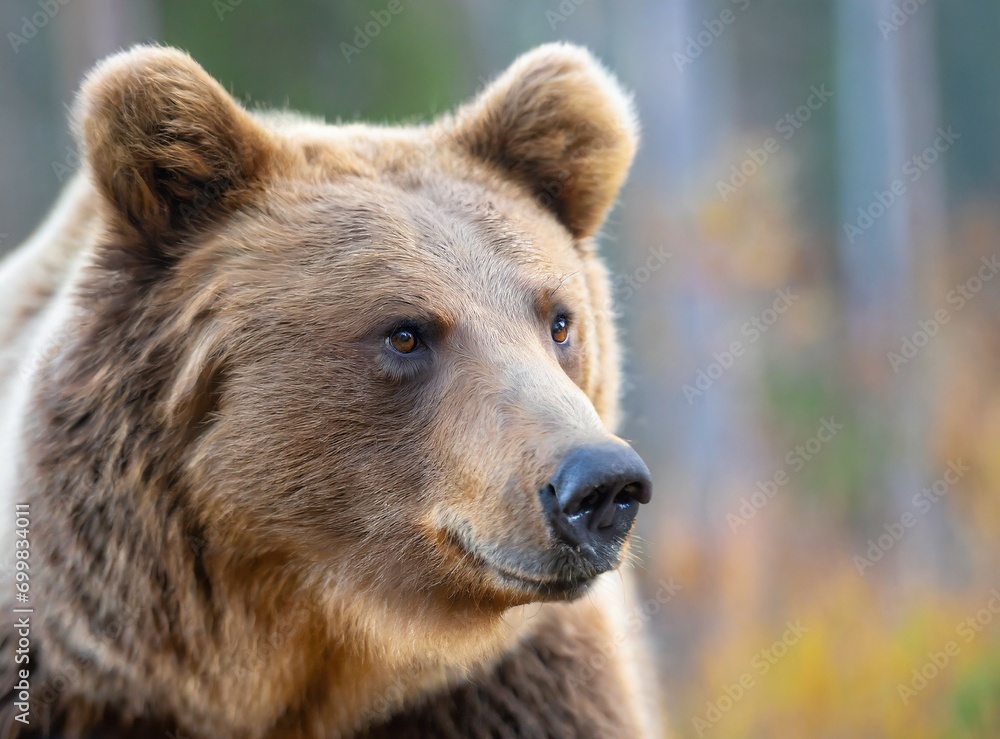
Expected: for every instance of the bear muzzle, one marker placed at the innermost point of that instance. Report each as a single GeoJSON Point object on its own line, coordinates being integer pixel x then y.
{"type": "Point", "coordinates": [589, 508]}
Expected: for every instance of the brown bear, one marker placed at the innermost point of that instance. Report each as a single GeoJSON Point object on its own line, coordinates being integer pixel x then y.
{"type": "Point", "coordinates": [308, 429]}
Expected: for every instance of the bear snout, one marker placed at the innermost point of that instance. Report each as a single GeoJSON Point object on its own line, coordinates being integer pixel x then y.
{"type": "Point", "coordinates": [593, 498]}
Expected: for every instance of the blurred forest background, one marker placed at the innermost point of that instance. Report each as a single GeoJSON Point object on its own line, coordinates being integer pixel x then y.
{"type": "Point", "coordinates": [804, 260]}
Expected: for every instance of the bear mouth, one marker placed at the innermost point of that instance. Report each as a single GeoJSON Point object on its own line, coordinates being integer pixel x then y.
{"type": "Point", "coordinates": [566, 582]}
{"type": "Point", "coordinates": [549, 589]}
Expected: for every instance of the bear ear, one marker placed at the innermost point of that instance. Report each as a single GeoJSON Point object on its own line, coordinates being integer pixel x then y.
{"type": "Point", "coordinates": [166, 145]}
{"type": "Point", "coordinates": [559, 124]}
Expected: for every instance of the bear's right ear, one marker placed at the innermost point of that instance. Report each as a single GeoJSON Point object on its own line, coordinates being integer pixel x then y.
{"type": "Point", "coordinates": [167, 146]}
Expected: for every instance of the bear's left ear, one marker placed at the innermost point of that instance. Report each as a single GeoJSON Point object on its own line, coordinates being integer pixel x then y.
{"type": "Point", "coordinates": [560, 125]}
{"type": "Point", "coordinates": [166, 145]}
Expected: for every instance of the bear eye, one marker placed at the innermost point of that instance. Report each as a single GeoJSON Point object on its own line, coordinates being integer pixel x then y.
{"type": "Point", "coordinates": [560, 330]}
{"type": "Point", "coordinates": [403, 340]}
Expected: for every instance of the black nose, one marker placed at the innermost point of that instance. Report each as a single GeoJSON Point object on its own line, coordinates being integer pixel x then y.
{"type": "Point", "coordinates": [595, 494]}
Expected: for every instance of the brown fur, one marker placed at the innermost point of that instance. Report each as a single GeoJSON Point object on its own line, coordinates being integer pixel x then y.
{"type": "Point", "coordinates": [250, 520]}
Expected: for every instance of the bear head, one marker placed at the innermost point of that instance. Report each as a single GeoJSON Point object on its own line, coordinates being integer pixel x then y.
{"type": "Point", "coordinates": [369, 367]}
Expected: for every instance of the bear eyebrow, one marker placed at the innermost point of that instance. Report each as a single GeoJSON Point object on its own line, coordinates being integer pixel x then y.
{"type": "Point", "coordinates": [549, 296]}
